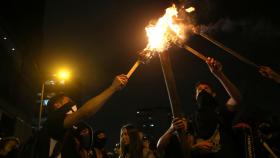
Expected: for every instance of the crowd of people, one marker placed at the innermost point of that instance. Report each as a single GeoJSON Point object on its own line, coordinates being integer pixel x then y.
{"type": "Point", "coordinates": [210, 132]}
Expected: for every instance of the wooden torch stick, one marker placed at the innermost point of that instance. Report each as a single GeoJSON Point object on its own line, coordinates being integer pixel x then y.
{"type": "Point", "coordinates": [133, 68]}
{"type": "Point", "coordinates": [196, 53]}
{"type": "Point", "coordinates": [269, 150]}
{"type": "Point", "coordinates": [174, 100]}
{"type": "Point", "coordinates": [230, 51]}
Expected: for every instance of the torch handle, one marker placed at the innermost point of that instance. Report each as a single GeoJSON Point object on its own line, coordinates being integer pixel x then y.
{"type": "Point", "coordinates": [230, 51]}
{"type": "Point", "coordinates": [196, 53]}
{"type": "Point", "coordinates": [174, 100]}
{"type": "Point", "coordinates": [269, 150]}
{"type": "Point", "coordinates": [134, 67]}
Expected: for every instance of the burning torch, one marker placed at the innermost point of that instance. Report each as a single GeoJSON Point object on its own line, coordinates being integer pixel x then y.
{"type": "Point", "coordinates": [144, 57]}
{"type": "Point", "coordinates": [161, 35]}
{"type": "Point", "coordinates": [219, 44]}
{"type": "Point", "coordinates": [230, 51]}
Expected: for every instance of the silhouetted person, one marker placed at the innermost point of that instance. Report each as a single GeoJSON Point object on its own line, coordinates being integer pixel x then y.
{"type": "Point", "coordinates": [168, 144]}
{"type": "Point", "coordinates": [83, 134]}
{"type": "Point", "coordinates": [63, 115]}
{"type": "Point", "coordinates": [98, 146]}
{"type": "Point", "coordinates": [210, 127]}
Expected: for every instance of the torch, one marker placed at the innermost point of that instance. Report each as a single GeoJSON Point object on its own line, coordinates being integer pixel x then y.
{"type": "Point", "coordinates": [230, 51]}
{"type": "Point", "coordinates": [161, 36]}
{"type": "Point", "coordinates": [133, 68]}
{"type": "Point", "coordinates": [194, 52]}
{"type": "Point", "coordinates": [144, 57]}
{"type": "Point", "coordinates": [219, 44]}
{"type": "Point", "coordinates": [174, 99]}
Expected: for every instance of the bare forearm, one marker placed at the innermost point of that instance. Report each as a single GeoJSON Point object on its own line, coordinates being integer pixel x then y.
{"type": "Point", "coordinates": [164, 139]}
{"type": "Point", "coordinates": [89, 108]}
{"type": "Point", "coordinates": [231, 89]}
{"type": "Point", "coordinates": [95, 103]}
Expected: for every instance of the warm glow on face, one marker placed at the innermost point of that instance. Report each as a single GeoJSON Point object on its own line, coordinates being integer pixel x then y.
{"type": "Point", "coordinates": [165, 31]}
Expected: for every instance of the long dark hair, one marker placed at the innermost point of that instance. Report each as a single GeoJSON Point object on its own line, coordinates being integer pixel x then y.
{"type": "Point", "coordinates": [135, 147]}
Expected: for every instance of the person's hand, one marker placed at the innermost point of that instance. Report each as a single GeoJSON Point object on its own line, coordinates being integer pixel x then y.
{"type": "Point", "coordinates": [269, 73]}
{"type": "Point", "coordinates": [203, 145]}
{"type": "Point", "coordinates": [178, 124]}
{"type": "Point", "coordinates": [119, 82]}
{"type": "Point", "coordinates": [215, 66]}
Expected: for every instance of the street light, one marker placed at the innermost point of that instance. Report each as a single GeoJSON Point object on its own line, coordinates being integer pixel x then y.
{"type": "Point", "coordinates": [60, 76]}
{"type": "Point", "coordinates": [63, 75]}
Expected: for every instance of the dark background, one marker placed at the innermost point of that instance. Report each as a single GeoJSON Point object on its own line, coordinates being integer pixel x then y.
{"type": "Point", "coordinates": [99, 39]}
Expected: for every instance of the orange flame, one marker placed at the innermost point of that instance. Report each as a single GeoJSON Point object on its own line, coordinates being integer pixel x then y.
{"type": "Point", "coordinates": [166, 31]}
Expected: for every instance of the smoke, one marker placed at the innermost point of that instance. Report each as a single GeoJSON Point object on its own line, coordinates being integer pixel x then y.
{"type": "Point", "coordinates": [260, 27]}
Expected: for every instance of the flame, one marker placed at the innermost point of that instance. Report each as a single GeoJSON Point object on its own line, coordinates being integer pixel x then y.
{"type": "Point", "coordinates": [190, 9]}
{"type": "Point", "coordinates": [167, 30]}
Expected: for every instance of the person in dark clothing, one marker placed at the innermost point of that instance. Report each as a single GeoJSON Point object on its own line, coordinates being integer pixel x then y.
{"type": "Point", "coordinates": [168, 145]}
{"type": "Point", "coordinates": [64, 114]}
{"type": "Point", "coordinates": [83, 134]}
{"type": "Point", "coordinates": [210, 127]}
{"type": "Point", "coordinates": [99, 142]}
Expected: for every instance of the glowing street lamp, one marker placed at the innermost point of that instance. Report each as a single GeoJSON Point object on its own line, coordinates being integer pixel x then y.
{"type": "Point", "coordinates": [61, 76]}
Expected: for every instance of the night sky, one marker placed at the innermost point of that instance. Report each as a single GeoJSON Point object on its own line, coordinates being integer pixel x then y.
{"type": "Point", "coordinates": [99, 39]}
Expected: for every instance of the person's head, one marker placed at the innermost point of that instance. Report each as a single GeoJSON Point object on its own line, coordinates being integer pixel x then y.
{"type": "Point", "coordinates": [200, 86]}
{"type": "Point", "coordinates": [84, 134]}
{"type": "Point", "coordinates": [99, 139]}
{"type": "Point", "coordinates": [58, 101]}
{"type": "Point", "coordinates": [131, 141]}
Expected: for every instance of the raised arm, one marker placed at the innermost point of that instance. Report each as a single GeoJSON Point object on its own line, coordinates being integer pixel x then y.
{"type": "Point", "coordinates": [216, 69]}
{"type": "Point", "coordinates": [95, 103]}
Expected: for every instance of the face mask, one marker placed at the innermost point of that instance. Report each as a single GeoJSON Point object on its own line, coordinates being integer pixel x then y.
{"type": "Point", "coordinates": [85, 141]}
{"type": "Point", "coordinates": [206, 100]}
{"type": "Point", "coordinates": [99, 143]}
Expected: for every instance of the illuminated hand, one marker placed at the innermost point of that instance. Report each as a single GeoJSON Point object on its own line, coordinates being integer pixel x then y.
{"type": "Point", "coordinates": [215, 66]}
{"type": "Point", "coordinates": [178, 124]}
{"type": "Point", "coordinates": [119, 82]}
{"type": "Point", "coordinates": [269, 73]}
